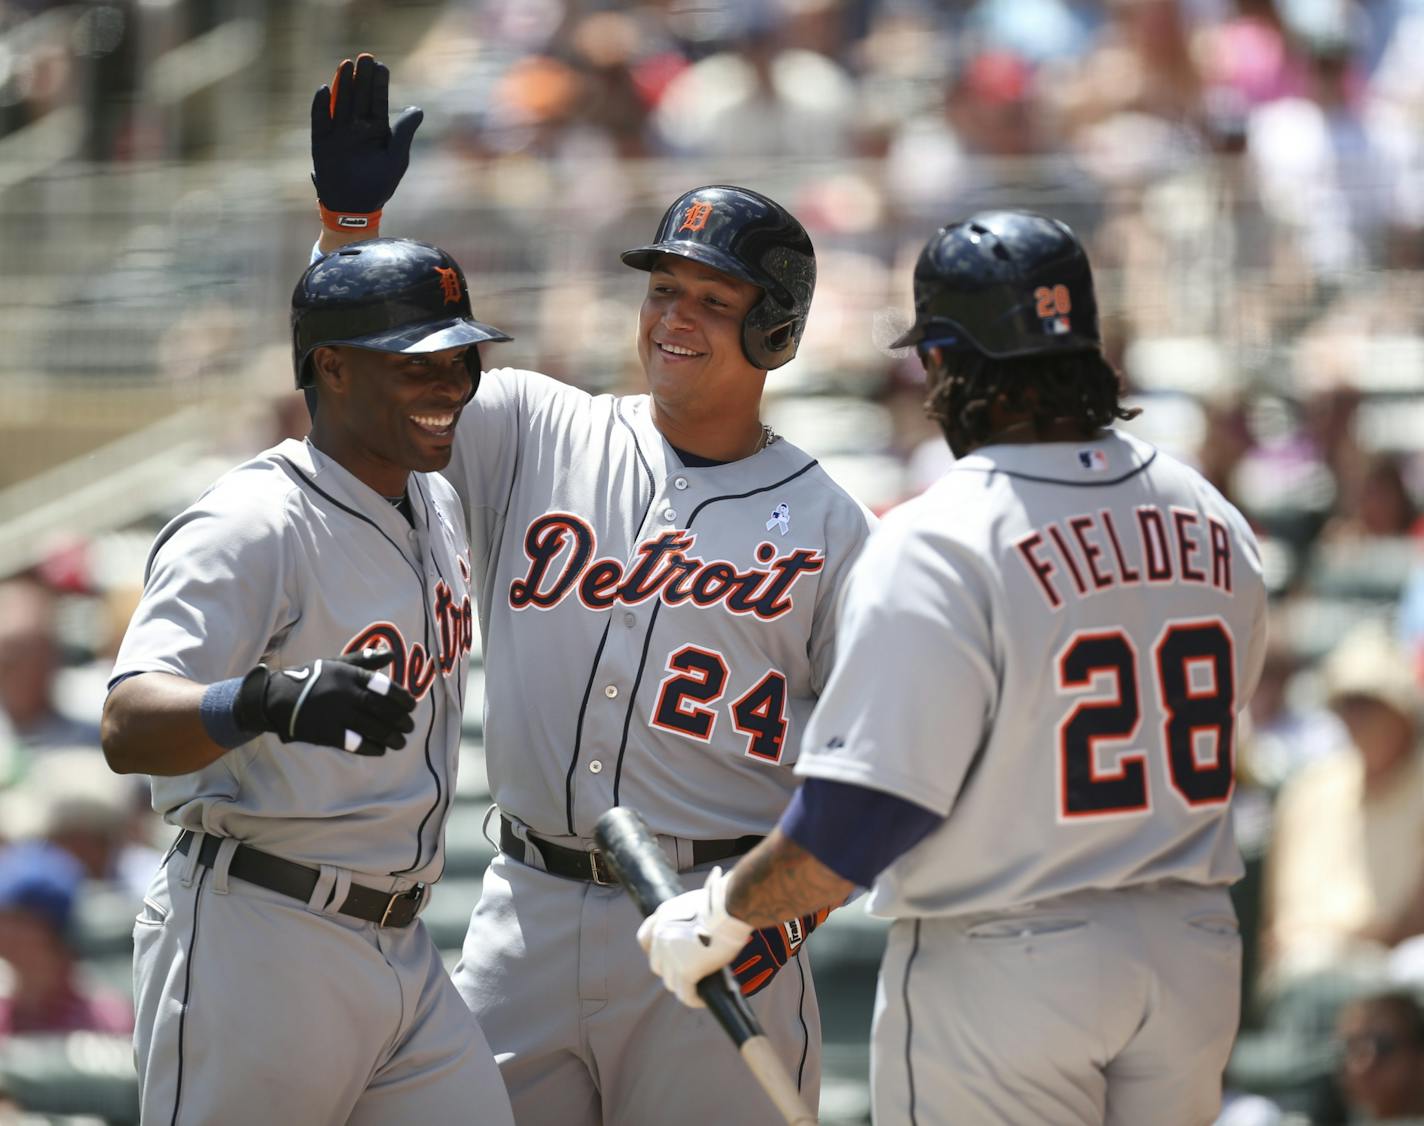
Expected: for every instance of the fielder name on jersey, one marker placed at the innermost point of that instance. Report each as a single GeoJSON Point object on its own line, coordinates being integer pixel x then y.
{"type": "Point", "coordinates": [1164, 546]}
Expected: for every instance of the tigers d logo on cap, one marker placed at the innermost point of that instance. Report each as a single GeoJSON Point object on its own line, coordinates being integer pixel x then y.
{"type": "Point", "coordinates": [449, 284]}
{"type": "Point", "coordinates": [696, 216]}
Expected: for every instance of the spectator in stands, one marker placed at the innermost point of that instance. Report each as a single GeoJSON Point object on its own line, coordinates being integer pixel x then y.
{"type": "Point", "coordinates": [1346, 862]}
{"type": "Point", "coordinates": [767, 96]}
{"type": "Point", "coordinates": [1378, 504]}
{"type": "Point", "coordinates": [1225, 442]}
{"type": "Point", "coordinates": [618, 82]}
{"type": "Point", "coordinates": [71, 799]}
{"type": "Point", "coordinates": [29, 663]}
{"type": "Point", "coordinates": [1036, 29]}
{"type": "Point", "coordinates": [1284, 735]}
{"type": "Point", "coordinates": [1137, 95]}
{"type": "Point", "coordinates": [1381, 1073]}
{"type": "Point", "coordinates": [1334, 168]}
{"type": "Point", "coordinates": [39, 884]}
{"type": "Point", "coordinates": [1250, 58]}
{"type": "Point", "coordinates": [950, 159]}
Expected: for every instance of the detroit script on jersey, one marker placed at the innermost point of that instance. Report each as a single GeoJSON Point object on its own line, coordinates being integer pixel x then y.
{"type": "Point", "coordinates": [414, 667]}
{"type": "Point", "coordinates": [563, 559]}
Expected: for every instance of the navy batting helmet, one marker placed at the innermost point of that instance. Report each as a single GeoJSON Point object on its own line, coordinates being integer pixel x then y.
{"type": "Point", "coordinates": [1004, 283]}
{"type": "Point", "coordinates": [387, 295]}
{"type": "Point", "coordinates": [743, 233]}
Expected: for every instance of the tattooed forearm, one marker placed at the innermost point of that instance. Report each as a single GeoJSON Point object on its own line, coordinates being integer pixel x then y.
{"type": "Point", "coordinates": [780, 880]}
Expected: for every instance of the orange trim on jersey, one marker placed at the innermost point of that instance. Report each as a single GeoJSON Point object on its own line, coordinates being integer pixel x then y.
{"type": "Point", "coordinates": [1128, 575]}
{"type": "Point", "coordinates": [1042, 570]}
{"type": "Point", "coordinates": [1156, 551]}
{"type": "Point", "coordinates": [1186, 546]}
{"type": "Point", "coordinates": [1220, 554]}
{"type": "Point", "coordinates": [1223, 687]}
{"type": "Point", "coordinates": [697, 676]}
{"type": "Point", "coordinates": [1091, 551]}
{"type": "Point", "coordinates": [1131, 765]}
{"type": "Point", "coordinates": [1068, 558]}
{"type": "Point", "coordinates": [762, 711]}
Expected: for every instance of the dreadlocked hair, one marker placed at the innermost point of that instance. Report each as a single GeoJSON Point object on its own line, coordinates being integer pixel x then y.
{"type": "Point", "coordinates": [1079, 386]}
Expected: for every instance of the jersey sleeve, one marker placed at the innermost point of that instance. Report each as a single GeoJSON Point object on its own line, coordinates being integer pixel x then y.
{"type": "Point", "coordinates": [912, 691]}
{"type": "Point", "coordinates": [216, 595]}
{"type": "Point", "coordinates": [850, 526]}
{"type": "Point", "coordinates": [886, 827]}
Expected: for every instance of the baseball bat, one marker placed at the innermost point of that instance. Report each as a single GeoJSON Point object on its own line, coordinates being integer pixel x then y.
{"type": "Point", "coordinates": [643, 870]}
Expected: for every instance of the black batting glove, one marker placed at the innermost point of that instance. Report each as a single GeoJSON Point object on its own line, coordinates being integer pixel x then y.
{"type": "Point", "coordinates": [358, 155]}
{"type": "Point", "coordinates": [335, 701]}
{"type": "Point", "coordinates": [771, 948]}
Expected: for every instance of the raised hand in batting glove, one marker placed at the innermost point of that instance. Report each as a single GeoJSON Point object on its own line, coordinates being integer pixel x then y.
{"type": "Point", "coordinates": [771, 948]}
{"type": "Point", "coordinates": [690, 936]}
{"type": "Point", "coordinates": [335, 701]}
{"type": "Point", "coordinates": [358, 155]}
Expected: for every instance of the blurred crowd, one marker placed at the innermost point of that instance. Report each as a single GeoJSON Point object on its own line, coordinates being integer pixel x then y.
{"type": "Point", "coordinates": [1250, 177]}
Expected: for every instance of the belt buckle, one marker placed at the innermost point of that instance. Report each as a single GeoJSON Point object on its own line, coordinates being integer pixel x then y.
{"type": "Point", "coordinates": [415, 894]}
{"type": "Point", "coordinates": [598, 867]}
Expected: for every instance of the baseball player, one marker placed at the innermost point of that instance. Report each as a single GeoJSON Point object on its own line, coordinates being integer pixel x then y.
{"type": "Point", "coordinates": [654, 576]}
{"type": "Point", "coordinates": [1031, 727]}
{"type": "Point", "coordinates": [293, 678]}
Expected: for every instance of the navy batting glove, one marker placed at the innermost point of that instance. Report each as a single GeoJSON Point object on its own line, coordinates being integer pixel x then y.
{"type": "Point", "coordinates": [771, 948]}
{"type": "Point", "coordinates": [358, 155]}
{"type": "Point", "coordinates": [335, 701]}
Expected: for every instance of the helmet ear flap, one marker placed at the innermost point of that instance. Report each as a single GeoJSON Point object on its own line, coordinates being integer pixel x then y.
{"type": "Point", "coordinates": [770, 337]}
{"type": "Point", "coordinates": [778, 338]}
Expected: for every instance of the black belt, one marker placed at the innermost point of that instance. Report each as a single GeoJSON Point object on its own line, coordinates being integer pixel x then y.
{"type": "Point", "coordinates": [591, 866]}
{"type": "Point", "coordinates": [385, 908]}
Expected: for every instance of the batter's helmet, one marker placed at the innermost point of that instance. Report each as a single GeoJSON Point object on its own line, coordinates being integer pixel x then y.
{"type": "Point", "coordinates": [387, 295]}
{"type": "Point", "coordinates": [1004, 283]}
{"type": "Point", "coordinates": [743, 233]}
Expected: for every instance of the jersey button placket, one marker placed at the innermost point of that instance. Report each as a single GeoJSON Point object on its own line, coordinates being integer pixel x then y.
{"type": "Point", "coordinates": [611, 691]}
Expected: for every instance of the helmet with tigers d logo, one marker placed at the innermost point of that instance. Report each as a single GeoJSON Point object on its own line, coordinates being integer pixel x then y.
{"type": "Point", "coordinates": [387, 295]}
{"type": "Point", "coordinates": [748, 236]}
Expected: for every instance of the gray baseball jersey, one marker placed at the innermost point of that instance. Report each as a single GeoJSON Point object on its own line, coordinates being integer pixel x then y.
{"type": "Point", "coordinates": [286, 559]}
{"type": "Point", "coordinates": [656, 634]}
{"type": "Point", "coordinates": [1051, 647]}
{"type": "Point", "coordinates": [655, 637]}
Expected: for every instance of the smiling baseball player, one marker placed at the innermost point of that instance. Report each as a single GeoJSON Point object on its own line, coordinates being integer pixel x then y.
{"type": "Point", "coordinates": [1031, 727]}
{"type": "Point", "coordinates": [655, 576]}
{"type": "Point", "coordinates": [294, 678]}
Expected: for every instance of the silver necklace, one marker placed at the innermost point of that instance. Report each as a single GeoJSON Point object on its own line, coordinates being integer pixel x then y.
{"type": "Point", "coordinates": [768, 436]}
